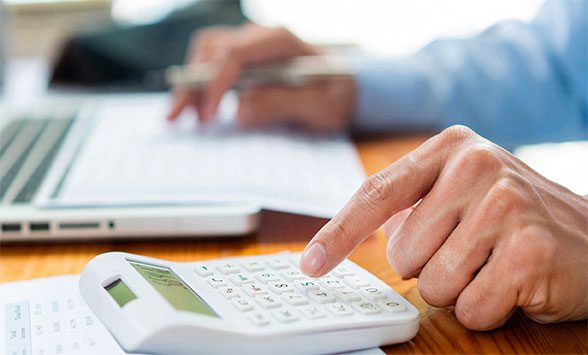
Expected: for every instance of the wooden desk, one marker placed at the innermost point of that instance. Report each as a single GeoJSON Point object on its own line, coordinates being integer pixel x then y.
{"type": "Point", "coordinates": [439, 331]}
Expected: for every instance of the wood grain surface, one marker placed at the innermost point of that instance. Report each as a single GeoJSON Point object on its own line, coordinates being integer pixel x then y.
{"type": "Point", "coordinates": [440, 332]}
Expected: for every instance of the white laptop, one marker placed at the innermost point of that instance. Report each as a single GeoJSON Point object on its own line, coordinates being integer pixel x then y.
{"type": "Point", "coordinates": [29, 146]}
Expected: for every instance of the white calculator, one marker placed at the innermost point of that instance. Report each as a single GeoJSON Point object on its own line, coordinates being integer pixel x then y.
{"type": "Point", "coordinates": [245, 305]}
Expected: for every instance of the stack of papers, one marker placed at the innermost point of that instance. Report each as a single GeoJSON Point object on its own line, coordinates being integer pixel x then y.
{"type": "Point", "coordinates": [134, 157]}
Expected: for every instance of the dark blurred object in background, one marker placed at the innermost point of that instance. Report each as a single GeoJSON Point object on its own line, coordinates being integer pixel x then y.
{"type": "Point", "coordinates": [132, 58]}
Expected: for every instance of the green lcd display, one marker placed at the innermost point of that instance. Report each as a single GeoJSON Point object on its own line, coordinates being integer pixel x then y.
{"type": "Point", "coordinates": [172, 288]}
{"type": "Point", "coordinates": [121, 293]}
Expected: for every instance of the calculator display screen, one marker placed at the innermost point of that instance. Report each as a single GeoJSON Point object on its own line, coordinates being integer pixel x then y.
{"type": "Point", "coordinates": [120, 292]}
{"type": "Point", "coordinates": [172, 288]}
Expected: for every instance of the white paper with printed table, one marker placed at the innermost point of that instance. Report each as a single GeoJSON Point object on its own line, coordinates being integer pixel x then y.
{"type": "Point", "coordinates": [279, 169]}
{"type": "Point", "coordinates": [49, 316]}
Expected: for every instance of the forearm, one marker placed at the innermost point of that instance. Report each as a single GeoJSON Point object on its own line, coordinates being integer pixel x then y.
{"type": "Point", "coordinates": [512, 84]}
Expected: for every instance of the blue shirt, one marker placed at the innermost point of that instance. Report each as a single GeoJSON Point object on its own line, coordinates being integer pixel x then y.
{"type": "Point", "coordinates": [515, 83]}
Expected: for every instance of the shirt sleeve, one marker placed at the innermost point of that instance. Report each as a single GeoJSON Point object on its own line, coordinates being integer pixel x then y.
{"type": "Point", "coordinates": [515, 83]}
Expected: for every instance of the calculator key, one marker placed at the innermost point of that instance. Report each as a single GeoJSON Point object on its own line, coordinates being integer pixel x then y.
{"type": "Point", "coordinates": [355, 282]}
{"type": "Point", "coordinates": [280, 287]}
{"type": "Point", "coordinates": [295, 298]}
{"type": "Point", "coordinates": [372, 293]}
{"type": "Point", "coordinates": [253, 266]}
{"type": "Point", "coordinates": [242, 305]}
{"type": "Point", "coordinates": [366, 307]}
{"type": "Point", "coordinates": [253, 290]}
{"type": "Point", "coordinates": [312, 312]}
{"type": "Point", "coordinates": [203, 270]}
{"type": "Point", "coordinates": [348, 296]}
{"type": "Point", "coordinates": [278, 263]}
{"type": "Point", "coordinates": [229, 292]}
{"type": "Point", "coordinates": [339, 309]}
{"type": "Point", "coordinates": [285, 315]}
{"type": "Point", "coordinates": [228, 268]}
{"type": "Point", "coordinates": [216, 281]}
{"type": "Point", "coordinates": [332, 283]}
{"type": "Point", "coordinates": [321, 296]}
{"type": "Point", "coordinates": [241, 279]}
{"type": "Point", "coordinates": [292, 275]}
{"type": "Point", "coordinates": [295, 260]}
{"type": "Point", "coordinates": [258, 319]}
{"type": "Point", "coordinates": [391, 306]}
{"type": "Point", "coordinates": [266, 277]}
{"type": "Point", "coordinates": [341, 271]}
{"type": "Point", "coordinates": [306, 285]}
{"type": "Point", "coordinates": [268, 301]}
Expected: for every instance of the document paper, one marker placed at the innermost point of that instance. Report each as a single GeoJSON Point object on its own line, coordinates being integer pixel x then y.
{"type": "Point", "coordinates": [49, 316]}
{"type": "Point", "coordinates": [134, 157]}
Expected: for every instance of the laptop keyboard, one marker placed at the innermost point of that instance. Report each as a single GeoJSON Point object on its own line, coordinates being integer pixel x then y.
{"type": "Point", "coordinates": [27, 149]}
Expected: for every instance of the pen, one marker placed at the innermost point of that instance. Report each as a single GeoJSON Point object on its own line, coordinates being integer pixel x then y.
{"type": "Point", "coordinates": [292, 72]}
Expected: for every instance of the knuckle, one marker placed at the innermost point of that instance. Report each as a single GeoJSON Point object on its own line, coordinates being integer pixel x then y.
{"type": "Point", "coordinates": [480, 158]}
{"type": "Point", "coordinates": [505, 198]}
{"type": "Point", "coordinates": [339, 229]}
{"type": "Point", "coordinates": [343, 235]}
{"type": "Point", "coordinates": [531, 249]}
{"type": "Point", "coordinates": [457, 133]}
{"type": "Point", "coordinates": [377, 188]}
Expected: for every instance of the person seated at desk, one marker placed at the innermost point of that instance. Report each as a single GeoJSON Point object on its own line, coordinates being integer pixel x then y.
{"type": "Point", "coordinates": [480, 229]}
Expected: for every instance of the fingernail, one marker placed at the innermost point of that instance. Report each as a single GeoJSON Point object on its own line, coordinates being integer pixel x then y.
{"type": "Point", "coordinates": [313, 259]}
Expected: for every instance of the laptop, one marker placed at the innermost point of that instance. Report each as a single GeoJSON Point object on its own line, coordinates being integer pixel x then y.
{"type": "Point", "coordinates": [33, 140]}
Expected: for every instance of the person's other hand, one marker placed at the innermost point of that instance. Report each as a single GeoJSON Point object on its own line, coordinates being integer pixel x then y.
{"type": "Point", "coordinates": [322, 105]}
{"type": "Point", "coordinates": [488, 235]}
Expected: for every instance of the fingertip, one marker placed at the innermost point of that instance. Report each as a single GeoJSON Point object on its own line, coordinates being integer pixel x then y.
{"type": "Point", "coordinates": [173, 114]}
{"type": "Point", "coordinates": [181, 99]}
{"type": "Point", "coordinates": [313, 259]}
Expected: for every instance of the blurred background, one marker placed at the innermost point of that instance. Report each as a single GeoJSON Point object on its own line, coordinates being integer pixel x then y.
{"type": "Point", "coordinates": [124, 39]}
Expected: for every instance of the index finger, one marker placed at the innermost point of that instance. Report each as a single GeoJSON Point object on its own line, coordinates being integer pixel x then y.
{"type": "Point", "coordinates": [254, 47]}
{"type": "Point", "coordinates": [382, 195]}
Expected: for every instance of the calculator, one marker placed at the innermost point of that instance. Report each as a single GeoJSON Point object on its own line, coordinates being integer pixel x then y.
{"type": "Point", "coordinates": [243, 305]}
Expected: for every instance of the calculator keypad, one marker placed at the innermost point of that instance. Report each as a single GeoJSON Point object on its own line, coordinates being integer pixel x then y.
{"type": "Point", "coordinates": [253, 290]}
{"type": "Point", "coordinates": [321, 296]}
{"type": "Point", "coordinates": [266, 277]}
{"type": "Point", "coordinates": [270, 290]}
{"type": "Point", "coordinates": [229, 292]}
{"type": "Point", "coordinates": [216, 281]}
{"type": "Point", "coordinates": [242, 305]}
{"type": "Point", "coordinates": [268, 301]}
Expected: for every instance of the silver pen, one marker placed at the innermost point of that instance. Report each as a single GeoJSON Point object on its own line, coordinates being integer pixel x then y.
{"type": "Point", "coordinates": [292, 72]}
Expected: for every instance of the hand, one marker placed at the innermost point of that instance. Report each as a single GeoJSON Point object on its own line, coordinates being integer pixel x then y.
{"type": "Point", "coordinates": [322, 105]}
{"type": "Point", "coordinates": [488, 235]}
